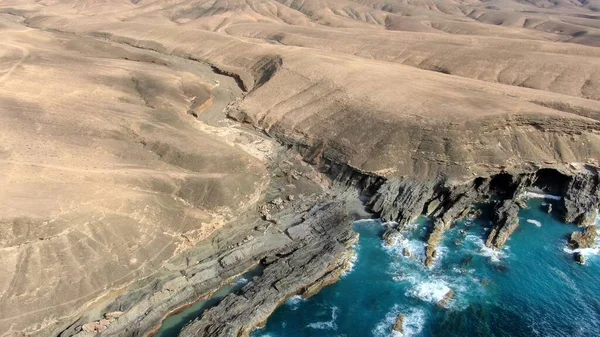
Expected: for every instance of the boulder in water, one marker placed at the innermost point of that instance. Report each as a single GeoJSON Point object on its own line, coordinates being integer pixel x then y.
{"type": "Point", "coordinates": [445, 301]}
{"type": "Point", "coordinates": [390, 236]}
{"type": "Point", "coordinates": [585, 239]}
{"type": "Point", "coordinates": [399, 325]}
{"type": "Point", "coordinates": [579, 258]}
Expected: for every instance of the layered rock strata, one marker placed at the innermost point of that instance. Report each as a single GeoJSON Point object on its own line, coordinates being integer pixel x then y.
{"type": "Point", "coordinates": [318, 257]}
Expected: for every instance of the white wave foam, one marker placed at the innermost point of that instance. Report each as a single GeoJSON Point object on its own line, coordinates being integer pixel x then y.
{"type": "Point", "coordinates": [535, 222]}
{"type": "Point", "coordinates": [587, 252]}
{"type": "Point", "coordinates": [429, 291]}
{"type": "Point", "coordinates": [352, 262]}
{"type": "Point", "coordinates": [533, 195]}
{"type": "Point", "coordinates": [328, 325]}
{"type": "Point", "coordinates": [416, 247]}
{"type": "Point", "coordinates": [414, 320]}
{"type": "Point", "coordinates": [294, 301]}
{"type": "Point", "coordinates": [242, 281]}
{"type": "Point", "coordinates": [483, 250]}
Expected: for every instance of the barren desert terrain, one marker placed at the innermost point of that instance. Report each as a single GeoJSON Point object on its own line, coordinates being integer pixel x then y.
{"type": "Point", "coordinates": [132, 130]}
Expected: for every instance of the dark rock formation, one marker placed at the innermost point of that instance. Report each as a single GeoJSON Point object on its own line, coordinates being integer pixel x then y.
{"type": "Point", "coordinates": [505, 218]}
{"type": "Point", "coordinates": [579, 258]}
{"type": "Point", "coordinates": [582, 197]}
{"type": "Point", "coordinates": [402, 200]}
{"type": "Point", "coordinates": [318, 258]}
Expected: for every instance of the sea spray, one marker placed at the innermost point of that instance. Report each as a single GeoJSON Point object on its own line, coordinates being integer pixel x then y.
{"type": "Point", "coordinates": [521, 290]}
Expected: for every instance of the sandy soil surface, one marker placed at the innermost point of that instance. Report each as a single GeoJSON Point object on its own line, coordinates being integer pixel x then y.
{"type": "Point", "coordinates": [116, 156]}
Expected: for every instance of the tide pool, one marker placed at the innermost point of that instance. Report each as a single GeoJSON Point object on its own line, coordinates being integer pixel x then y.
{"type": "Point", "coordinates": [171, 327]}
{"type": "Point", "coordinates": [530, 288]}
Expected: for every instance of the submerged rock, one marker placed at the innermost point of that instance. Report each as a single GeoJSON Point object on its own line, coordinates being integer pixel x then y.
{"type": "Point", "coordinates": [506, 220]}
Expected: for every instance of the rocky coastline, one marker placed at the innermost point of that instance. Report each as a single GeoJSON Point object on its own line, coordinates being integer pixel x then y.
{"type": "Point", "coordinates": [301, 233]}
{"type": "Point", "coordinates": [310, 247]}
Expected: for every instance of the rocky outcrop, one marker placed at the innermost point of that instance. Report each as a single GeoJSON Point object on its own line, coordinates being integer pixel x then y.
{"type": "Point", "coordinates": [579, 258]}
{"type": "Point", "coordinates": [399, 325]}
{"type": "Point", "coordinates": [402, 200]}
{"type": "Point", "coordinates": [434, 239]}
{"type": "Point", "coordinates": [584, 239]}
{"type": "Point", "coordinates": [318, 257]}
{"type": "Point", "coordinates": [582, 198]}
{"type": "Point", "coordinates": [506, 220]}
{"type": "Point", "coordinates": [445, 301]}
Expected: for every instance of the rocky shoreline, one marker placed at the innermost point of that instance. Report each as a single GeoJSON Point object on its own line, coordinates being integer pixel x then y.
{"type": "Point", "coordinates": [310, 246]}
{"type": "Point", "coordinates": [318, 257]}
{"type": "Point", "coordinates": [301, 232]}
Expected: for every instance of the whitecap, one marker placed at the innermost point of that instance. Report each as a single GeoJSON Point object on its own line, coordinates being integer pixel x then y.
{"type": "Point", "coordinates": [587, 252]}
{"type": "Point", "coordinates": [294, 301]}
{"type": "Point", "coordinates": [429, 291]}
{"type": "Point", "coordinates": [534, 195]}
{"type": "Point", "coordinates": [414, 320]}
{"type": "Point", "coordinates": [483, 250]}
{"type": "Point", "coordinates": [351, 262]}
{"type": "Point", "coordinates": [535, 222]}
{"type": "Point", "coordinates": [327, 325]}
{"type": "Point", "coordinates": [242, 281]}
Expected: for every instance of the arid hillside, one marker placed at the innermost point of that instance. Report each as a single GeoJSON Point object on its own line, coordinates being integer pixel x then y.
{"type": "Point", "coordinates": [115, 154]}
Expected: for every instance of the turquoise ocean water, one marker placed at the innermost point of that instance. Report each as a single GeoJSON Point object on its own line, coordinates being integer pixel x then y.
{"type": "Point", "coordinates": [531, 288]}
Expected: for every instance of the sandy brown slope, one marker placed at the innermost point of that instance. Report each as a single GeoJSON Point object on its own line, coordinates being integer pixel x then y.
{"type": "Point", "coordinates": [103, 175]}
{"type": "Point", "coordinates": [391, 118]}
{"type": "Point", "coordinates": [101, 164]}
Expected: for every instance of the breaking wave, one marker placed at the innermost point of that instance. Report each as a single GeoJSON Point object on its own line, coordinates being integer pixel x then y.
{"type": "Point", "coordinates": [327, 325]}
{"type": "Point", "coordinates": [414, 320]}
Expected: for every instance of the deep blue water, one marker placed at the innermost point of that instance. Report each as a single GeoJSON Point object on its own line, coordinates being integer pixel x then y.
{"type": "Point", "coordinates": [531, 288]}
